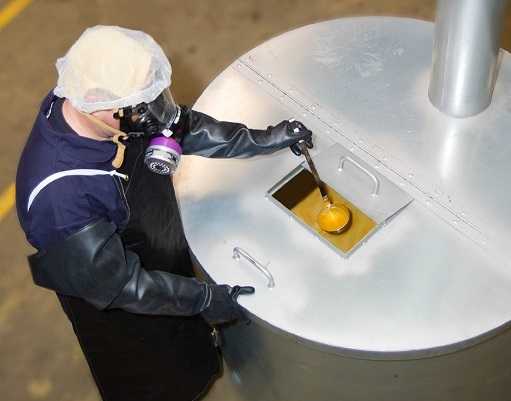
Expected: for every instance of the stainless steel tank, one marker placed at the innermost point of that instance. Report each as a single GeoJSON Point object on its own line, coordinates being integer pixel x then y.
{"type": "Point", "coordinates": [420, 308]}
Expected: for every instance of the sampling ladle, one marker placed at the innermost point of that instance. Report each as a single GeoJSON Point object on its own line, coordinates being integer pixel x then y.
{"type": "Point", "coordinates": [331, 218]}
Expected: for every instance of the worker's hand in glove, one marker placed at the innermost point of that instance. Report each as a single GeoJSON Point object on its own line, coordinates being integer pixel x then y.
{"type": "Point", "coordinates": [223, 307]}
{"type": "Point", "coordinates": [289, 133]}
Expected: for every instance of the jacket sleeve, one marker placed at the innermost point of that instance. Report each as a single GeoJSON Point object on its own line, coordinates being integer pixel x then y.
{"type": "Point", "coordinates": [93, 264]}
{"type": "Point", "coordinates": [205, 136]}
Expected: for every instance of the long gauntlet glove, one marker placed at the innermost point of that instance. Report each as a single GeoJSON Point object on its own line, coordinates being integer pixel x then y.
{"type": "Point", "coordinates": [93, 264]}
{"type": "Point", "coordinates": [224, 307]}
{"type": "Point", "coordinates": [205, 136]}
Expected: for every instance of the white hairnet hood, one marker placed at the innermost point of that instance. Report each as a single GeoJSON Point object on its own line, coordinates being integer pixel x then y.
{"type": "Point", "coordinates": [110, 67]}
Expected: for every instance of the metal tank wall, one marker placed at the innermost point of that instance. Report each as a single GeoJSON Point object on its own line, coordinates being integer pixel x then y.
{"type": "Point", "coordinates": [268, 365]}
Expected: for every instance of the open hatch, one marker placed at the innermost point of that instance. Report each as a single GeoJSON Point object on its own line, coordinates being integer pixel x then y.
{"type": "Point", "coordinates": [371, 197]}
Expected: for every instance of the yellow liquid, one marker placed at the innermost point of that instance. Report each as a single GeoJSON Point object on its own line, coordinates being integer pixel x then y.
{"type": "Point", "coordinates": [302, 197]}
{"type": "Point", "coordinates": [333, 218]}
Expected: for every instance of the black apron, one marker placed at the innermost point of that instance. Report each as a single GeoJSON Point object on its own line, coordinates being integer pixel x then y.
{"type": "Point", "coordinates": [142, 357]}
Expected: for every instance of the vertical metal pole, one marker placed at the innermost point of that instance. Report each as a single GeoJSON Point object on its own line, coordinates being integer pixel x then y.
{"type": "Point", "coordinates": [465, 55]}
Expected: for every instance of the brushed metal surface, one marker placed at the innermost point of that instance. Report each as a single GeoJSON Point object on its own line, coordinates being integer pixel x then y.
{"type": "Point", "coordinates": [465, 55]}
{"type": "Point", "coordinates": [436, 275]}
{"type": "Point", "coordinates": [371, 75]}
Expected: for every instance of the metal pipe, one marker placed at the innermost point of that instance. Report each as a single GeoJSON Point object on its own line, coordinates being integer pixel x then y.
{"type": "Point", "coordinates": [465, 55]}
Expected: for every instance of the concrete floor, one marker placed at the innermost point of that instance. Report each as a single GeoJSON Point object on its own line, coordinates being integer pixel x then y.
{"type": "Point", "coordinates": [40, 358]}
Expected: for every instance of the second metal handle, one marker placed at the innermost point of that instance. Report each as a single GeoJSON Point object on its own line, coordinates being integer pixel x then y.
{"type": "Point", "coordinates": [238, 252]}
{"type": "Point", "coordinates": [376, 182]}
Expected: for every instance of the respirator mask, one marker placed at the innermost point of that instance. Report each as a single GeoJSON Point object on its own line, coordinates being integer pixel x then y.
{"type": "Point", "coordinates": [157, 120]}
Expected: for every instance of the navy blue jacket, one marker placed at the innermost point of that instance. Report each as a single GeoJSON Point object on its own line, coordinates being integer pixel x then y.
{"type": "Point", "coordinates": [70, 203]}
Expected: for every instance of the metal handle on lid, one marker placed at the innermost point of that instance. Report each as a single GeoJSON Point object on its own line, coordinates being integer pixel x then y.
{"type": "Point", "coordinates": [376, 182]}
{"type": "Point", "coordinates": [238, 252]}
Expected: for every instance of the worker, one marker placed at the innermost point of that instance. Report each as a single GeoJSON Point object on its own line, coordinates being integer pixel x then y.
{"type": "Point", "coordinates": [95, 199]}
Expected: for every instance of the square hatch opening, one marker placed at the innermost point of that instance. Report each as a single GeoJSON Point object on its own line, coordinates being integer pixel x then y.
{"type": "Point", "coordinates": [302, 198]}
{"type": "Point", "coordinates": [371, 198]}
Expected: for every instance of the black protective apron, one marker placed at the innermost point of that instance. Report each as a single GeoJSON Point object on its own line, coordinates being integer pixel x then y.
{"type": "Point", "coordinates": [142, 357]}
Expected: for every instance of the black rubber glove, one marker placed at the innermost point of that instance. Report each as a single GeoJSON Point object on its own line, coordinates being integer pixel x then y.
{"type": "Point", "coordinates": [223, 307]}
{"type": "Point", "coordinates": [306, 136]}
{"type": "Point", "coordinates": [202, 135]}
{"type": "Point", "coordinates": [289, 133]}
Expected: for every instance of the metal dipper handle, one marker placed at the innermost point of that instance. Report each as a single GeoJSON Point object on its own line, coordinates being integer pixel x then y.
{"type": "Point", "coordinates": [319, 183]}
